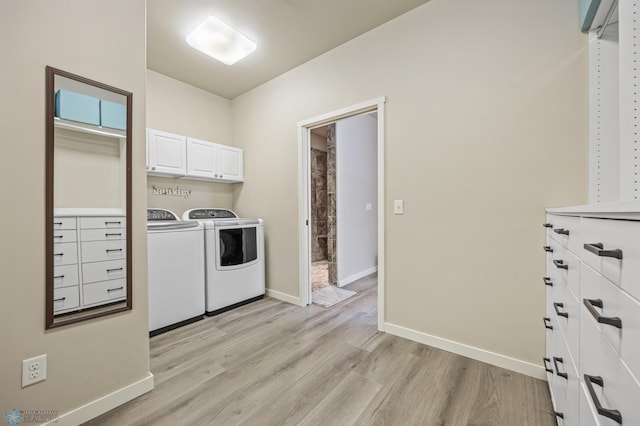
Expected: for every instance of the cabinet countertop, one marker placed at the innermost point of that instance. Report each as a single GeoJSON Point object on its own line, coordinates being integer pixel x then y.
{"type": "Point", "coordinates": [614, 210]}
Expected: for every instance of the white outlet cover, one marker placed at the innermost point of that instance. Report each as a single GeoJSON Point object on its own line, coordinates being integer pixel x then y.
{"type": "Point", "coordinates": [34, 370]}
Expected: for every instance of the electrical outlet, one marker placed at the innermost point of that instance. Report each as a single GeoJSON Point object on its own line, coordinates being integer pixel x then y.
{"type": "Point", "coordinates": [34, 370]}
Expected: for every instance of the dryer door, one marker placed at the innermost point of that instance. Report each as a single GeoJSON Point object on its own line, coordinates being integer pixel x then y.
{"type": "Point", "coordinates": [237, 247]}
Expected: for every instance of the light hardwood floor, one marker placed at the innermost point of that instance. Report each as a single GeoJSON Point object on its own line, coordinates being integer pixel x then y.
{"type": "Point", "coordinates": [271, 363]}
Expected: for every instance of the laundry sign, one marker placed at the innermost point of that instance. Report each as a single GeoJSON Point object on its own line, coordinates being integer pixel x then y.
{"type": "Point", "coordinates": [172, 192]}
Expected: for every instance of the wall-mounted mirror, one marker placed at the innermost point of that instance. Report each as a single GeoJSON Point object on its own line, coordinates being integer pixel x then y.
{"type": "Point", "coordinates": [88, 199]}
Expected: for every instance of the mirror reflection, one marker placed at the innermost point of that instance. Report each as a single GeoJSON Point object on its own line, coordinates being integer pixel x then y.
{"type": "Point", "coordinates": [88, 198]}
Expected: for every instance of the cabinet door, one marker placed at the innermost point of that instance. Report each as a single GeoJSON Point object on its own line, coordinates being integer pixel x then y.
{"type": "Point", "coordinates": [231, 164]}
{"type": "Point", "coordinates": [167, 153]}
{"type": "Point", "coordinates": [202, 159]}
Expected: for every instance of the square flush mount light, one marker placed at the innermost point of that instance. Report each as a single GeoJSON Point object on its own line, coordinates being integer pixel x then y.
{"type": "Point", "coordinates": [218, 40]}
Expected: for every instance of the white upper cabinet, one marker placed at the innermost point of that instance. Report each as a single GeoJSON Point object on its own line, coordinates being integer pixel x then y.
{"type": "Point", "coordinates": [231, 163]}
{"type": "Point", "coordinates": [167, 153]}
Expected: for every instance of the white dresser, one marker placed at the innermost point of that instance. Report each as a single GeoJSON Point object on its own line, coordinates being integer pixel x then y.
{"type": "Point", "coordinates": [593, 313]}
{"type": "Point", "coordinates": [90, 259]}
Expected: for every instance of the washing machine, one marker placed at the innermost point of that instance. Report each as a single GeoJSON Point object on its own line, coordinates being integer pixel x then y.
{"type": "Point", "coordinates": [176, 271]}
{"type": "Point", "coordinates": [234, 258]}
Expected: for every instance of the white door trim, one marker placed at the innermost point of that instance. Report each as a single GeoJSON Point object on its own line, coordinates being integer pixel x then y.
{"type": "Point", "coordinates": [304, 200]}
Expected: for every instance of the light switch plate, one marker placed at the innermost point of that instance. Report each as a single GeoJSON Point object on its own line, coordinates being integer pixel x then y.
{"type": "Point", "coordinates": [398, 207]}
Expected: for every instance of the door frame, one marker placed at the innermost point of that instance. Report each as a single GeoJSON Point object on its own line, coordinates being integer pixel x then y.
{"type": "Point", "coordinates": [304, 198]}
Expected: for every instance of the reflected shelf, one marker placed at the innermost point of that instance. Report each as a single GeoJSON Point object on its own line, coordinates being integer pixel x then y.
{"type": "Point", "coordinates": [88, 128]}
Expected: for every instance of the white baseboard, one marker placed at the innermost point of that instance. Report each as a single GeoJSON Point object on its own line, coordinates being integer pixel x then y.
{"type": "Point", "coordinates": [102, 405]}
{"type": "Point", "coordinates": [356, 277]}
{"type": "Point", "coordinates": [478, 354]}
{"type": "Point", "coordinates": [284, 297]}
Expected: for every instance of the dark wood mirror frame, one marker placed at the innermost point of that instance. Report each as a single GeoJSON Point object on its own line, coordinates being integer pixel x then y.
{"type": "Point", "coordinates": [50, 320]}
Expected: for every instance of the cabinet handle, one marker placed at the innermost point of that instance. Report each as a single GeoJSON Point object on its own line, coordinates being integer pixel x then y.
{"type": "Point", "coordinates": [547, 369]}
{"type": "Point", "coordinates": [561, 231]}
{"type": "Point", "coordinates": [557, 360]}
{"type": "Point", "coordinates": [590, 303]}
{"type": "Point", "coordinates": [560, 264]}
{"type": "Point", "coordinates": [559, 414]}
{"type": "Point", "coordinates": [114, 289]}
{"type": "Point", "coordinates": [58, 277]}
{"type": "Point", "coordinates": [547, 225]}
{"type": "Point", "coordinates": [560, 305]}
{"type": "Point", "coordinates": [548, 249]}
{"type": "Point", "coordinates": [606, 412]}
{"type": "Point", "coordinates": [58, 236]}
{"type": "Point", "coordinates": [57, 223]}
{"type": "Point", "coordinates": [598, 250]}
{"type": "Point", "coordinates": [153, 168]}
{"type": "Point", "coordinates": [547, 281]}
{"type": "Point", "coordinates": [115, 269]}
{"type": "Point", "coordinates": [546, 320]}
{"type": "Point", "coordinates": [113, 235]}
{"type": "Point", "coordinates": [112, 223]}
{"type": "Point", "coordinates": [110, 250]}
{"type": "Point", "coordinates": [62, 299]}
{"type": "Point", "coordinates": [58, 254]}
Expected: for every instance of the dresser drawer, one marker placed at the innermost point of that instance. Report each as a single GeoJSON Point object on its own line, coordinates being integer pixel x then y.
{"type": "Point", "coordinates": [64, 223]}
{"type": "Point", "coordinates": [65, 275]}
{"type": "Point", "coordinates": [102, 222]}
{"type": "Point", "coordinates": [622, 235]}
{"type": "Point", "coordinates": [103, 271]}
{"type": "Point", "coordinates": [66, 298]}
{"type": "Point", "coordinates": [619, 390]}
{"type": "Point", "coordinates": [588, 416]}
{"type": "Point", "coordinates": [103, 234]}
{"type": "Point", "coordinates": [104, 292]}
{"type": "Point", "coordinates": [65, 236]}
{"type": "Point", "coordinates": [565, 386]}
{"type": "Point", "coordinates": [97, 251]}
{"type": "Point", "coordinates": [566, 318]}
{"type": "Point", "coordinates": [615, 304]}
{"type": "Point", "coordinates": [566, 230]}
{"type": "Point", "coordinates": [566, 269]}
{"type": "Point", "coordinates": [65, 254]}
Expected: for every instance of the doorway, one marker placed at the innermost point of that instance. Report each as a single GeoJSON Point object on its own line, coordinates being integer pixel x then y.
{"type": "Point", "coordinates": [312, 229]}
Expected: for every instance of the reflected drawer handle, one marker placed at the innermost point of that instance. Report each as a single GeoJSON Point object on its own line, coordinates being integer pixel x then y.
{"type": "Point", "coordinates": [560, 314]}
{"type": "Point", "coordinates": [62, 299]}
{"type": "Point", "coordinates": [547, 320]}
{"type": "Point", "coordinates": [606, 412]}
{"type": "Point", "coordinates": [561, 231]}
{"type": "Point", "coordinates": [57, 223]}
{"type": "Point", "coordinates": [59, 276]}
{"type": "Point", "coordinates": [560, 264]}
{"type": "Point", "coordinates": [58, 236]}
{"type": "Point", "coordinates": [598, 250]}
{"type": "Point", "coordinates": [547, 225]}
{"type": "Point", "coordinates": [115, 269]}
{"type": "Point", "coordinates": [559, 414]}
{"type": "Point", "coordinates": [590, 303]}
{"type": "Point", "coordinates": [547, 281]}
{"type": "Point", "coordinates": [548, 249]}
{"type": "Point", "coordinates": [557, 360]}
{"type": "Point", "coordinates": [113, 235]}
{"type": "Point", "coordinates": [58, 254]}
{"type": "Point", "coordinates": [545, 361]}
{"type": "Point", "coordinates": [112, 223]}
{"type": "Point", "coordinates": [110, 250]}
{"type": "Point", "coordinates": [114, 289]}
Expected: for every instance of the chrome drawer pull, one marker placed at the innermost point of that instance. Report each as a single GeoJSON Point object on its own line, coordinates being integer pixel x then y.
{"type": "Point", "coordinates": [114, 289]}
{"type": "Point", "coordinates": [62, 299]}
{"type": "Point", "coordinates": [590, 303]}
{"type": "Point", "coordinates": [547, 225]}
{"type": "Point", "coordinates": [557, 360]}
{"type": "Point", "coordinates": [606, 412]}
{"type": "Point", "coordinates": [547, 281]}
{"type": "Point", "coordinates": [560, 314]}
{"type": "Point", "coordinates": [548, 249]}
{"type": "Point", "coordinates": [115, 269]}
{"type": "Point", "coordinates": [598, 250]}
{"type": "Point", "coordinates": [560, 264]}
{"type": "Point", "coordinates": [547, 320]}
{"type": "Point", "coordinates": [561, 231]}
{"type": "Point", "coordinates": [545, 361]}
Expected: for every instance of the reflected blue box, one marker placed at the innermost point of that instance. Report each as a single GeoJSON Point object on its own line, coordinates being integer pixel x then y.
{"type": "Point", "coordinates": [77, 107]}
{"type": "Point", "coordinates": [113, 115]}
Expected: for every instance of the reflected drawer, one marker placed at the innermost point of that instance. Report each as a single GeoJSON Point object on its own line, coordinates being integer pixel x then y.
{"type": "Point", "coordinates": [103, 222]}
{"type": "Point", "coordinates": [104, 292]}
{"type": "Point", "coordinates": [97, 251]}
{"type": "Point", "coordinates": [618, 391]}
{"type": "Point", "coordinates": [103, 271]}
{"type": "Point", "coordinates": [64, 223]}
{"type": "Point", "coordinates": [103, 234]}
{"type": "Point", "coordinates": [615, 304]}
{"type": "Point", "coordinates": [566, 230]}
{"type": "Point", "coordinates": [622, 235]}
{"type": "Point", "coordinates": [65, 275]}
{"type": "Point", "coordinates": [66, 298]}
{"type": "Point", "coordinates": [65, 254]}
{"type": "Point", "coordinates": [65, 236]}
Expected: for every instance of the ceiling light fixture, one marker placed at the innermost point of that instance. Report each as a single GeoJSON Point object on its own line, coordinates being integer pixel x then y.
{"type": "Point", "coordinates": [218, 40]}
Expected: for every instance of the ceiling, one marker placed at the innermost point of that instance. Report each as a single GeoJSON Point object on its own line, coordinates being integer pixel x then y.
{"type": "Point", "coordinates": [288, 33]}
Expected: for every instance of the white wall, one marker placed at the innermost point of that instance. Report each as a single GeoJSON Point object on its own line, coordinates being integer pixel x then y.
{"type": "Point", "coordinates": [485, 126]}
{"type": "Point", "coordinates": [103, 41]}
{"type": "Point", "coordinates": [356, 185]}
{"type": "Point", "coordinates": [177, 107]}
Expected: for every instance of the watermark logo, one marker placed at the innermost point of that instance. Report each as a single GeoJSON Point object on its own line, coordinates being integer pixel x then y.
{"type": "Point", "coordinates": [172, 192]}
{"type": "Point", "coordinates": [13, 417]}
